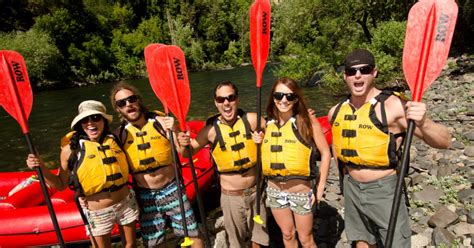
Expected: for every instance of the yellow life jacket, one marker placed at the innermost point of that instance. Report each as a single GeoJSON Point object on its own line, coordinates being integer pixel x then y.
{"type": "Point", "coordinates": [233, 149]}
{"type": "Point", "coordinates": [148, 148]}
{"type": "Point", "coordinates": [285, 154]}
{"type": "Point", "coordinates": [360, 139]}
{"type": "Point", "coordinates": [99, 166]}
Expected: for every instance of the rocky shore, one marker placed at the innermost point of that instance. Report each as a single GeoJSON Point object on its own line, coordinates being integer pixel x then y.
{"type": "Point", "coordinates": [440, 182]}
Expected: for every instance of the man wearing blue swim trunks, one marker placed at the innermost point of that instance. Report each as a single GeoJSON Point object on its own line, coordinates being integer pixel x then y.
{"type": "Point", "coordinates": [144, 137]}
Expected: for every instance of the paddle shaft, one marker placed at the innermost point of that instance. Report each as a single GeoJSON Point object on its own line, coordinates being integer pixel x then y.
{"type": "Point", "coordinates": [198, 196]}
{"type": "Point", "coordinates": [44, 189]}
{"type": "Point", "coordinates": [400, 182]}
{"type": "Point", "coordinates": [259, 150]}
{"type": "Point", "coordinates": [179, 183]}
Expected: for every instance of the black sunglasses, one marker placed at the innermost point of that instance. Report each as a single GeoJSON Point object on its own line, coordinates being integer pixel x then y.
{"type": "Point", "coordinates": [93, 118]}
{"type": "Point", "coordinates": [230, 98]}
{"type": "Point", "coordinates": [289, 96]}
{"type": "Point", "coordinates": [364, 70]}
{"type": "Point", "coordinates": [122, 102]}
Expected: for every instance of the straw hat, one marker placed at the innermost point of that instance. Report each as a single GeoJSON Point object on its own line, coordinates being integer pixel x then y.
{"type": "Point", "coordinates": [88, 108]}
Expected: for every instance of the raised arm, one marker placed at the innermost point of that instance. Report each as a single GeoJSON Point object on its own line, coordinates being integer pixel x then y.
{"type": "Point", "coordinates": [202, 139]}
{"type": "Point", "coordinates": [433, 134]}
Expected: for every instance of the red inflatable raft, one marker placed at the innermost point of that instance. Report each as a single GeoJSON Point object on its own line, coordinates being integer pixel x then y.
{"type": "Point", "coordinates": [25, 220]}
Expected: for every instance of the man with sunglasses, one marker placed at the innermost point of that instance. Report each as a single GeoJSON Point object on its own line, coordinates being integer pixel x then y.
{"type": "Point", "coordinates": [235, 155]}
{"type": "Point", "coordinates": [368, 130]}
{"type": "Point", "coordinates": [145, 141]}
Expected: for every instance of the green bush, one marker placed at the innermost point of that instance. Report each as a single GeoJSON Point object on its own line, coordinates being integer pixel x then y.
{"type": "Point", "coordinates": [41, 56]}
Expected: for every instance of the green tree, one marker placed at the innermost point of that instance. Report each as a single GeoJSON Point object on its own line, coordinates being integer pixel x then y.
{"type": "Point", "coordinates": [41, 56]}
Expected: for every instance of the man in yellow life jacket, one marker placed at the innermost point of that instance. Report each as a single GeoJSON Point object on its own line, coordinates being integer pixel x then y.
{"type": "Point", "coordinates": [367, 133]}
{"type": "Point", "coordinates": [235, 154]}
{"type": "Point", "coordinates": [143, 135]}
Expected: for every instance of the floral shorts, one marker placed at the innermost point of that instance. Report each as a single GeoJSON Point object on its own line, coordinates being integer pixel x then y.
{"type": "Point", "coordinates": [299, 203]}
{"type": "Point", "coordinates": [102, 221]}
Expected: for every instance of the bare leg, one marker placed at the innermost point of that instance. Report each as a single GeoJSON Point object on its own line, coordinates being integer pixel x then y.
{"type": "Point", "coordinates": [363, 244]}
{"type": "Point", "coordinates": [284, 219]}
{"type": "Point", "coordinates": [255, 245]}
{"type": "Point", "coordinates": [198, 243]}
{"type": "Point", "coordinates": [304, 227]}
{"type": "Point", "coordinates": [101, 241]}
{"type": "Point", "coordinates": [128, 235]}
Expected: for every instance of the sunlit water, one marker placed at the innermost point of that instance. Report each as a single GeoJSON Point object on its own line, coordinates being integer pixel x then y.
{"type": "Point", "coordinates": [53, 111]}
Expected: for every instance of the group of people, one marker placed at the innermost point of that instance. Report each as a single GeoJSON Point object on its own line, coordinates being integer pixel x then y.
{"type": "Point", "coordinates": [367, 129]}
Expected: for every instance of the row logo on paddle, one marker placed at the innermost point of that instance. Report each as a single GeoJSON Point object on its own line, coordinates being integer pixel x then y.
{"type": "Point", "coordinates": [18, 72]}
{"type": "Point", "coordinates": [178, 68]}
{"type": "Point", "coordinates": [265, 23]}
{"type": "Point", "coordinates": [442, 27]}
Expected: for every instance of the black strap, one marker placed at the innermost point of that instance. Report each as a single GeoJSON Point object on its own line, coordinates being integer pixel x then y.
{"type": "Point", "coordinates": [248, 130]}
{"type": "Point", "coordinates": [114, 177]}
{"type": "Point", "coordinates": [276, 148]}
{"type": "Point", "coordinates": [233, 134]}
{"type": "Point", "coordinates": [277, 166]}
{"type": "Point", "coordinates": [237, 147]}
{"type": "Point", "coordinates": [276, 134]}
{"type": "Point", "coordinates": [349, 153]}
{"type": "Point", "coordinates": [144, 146]}
{"type": "Point", "coordinates": [147, 161]}
{"type": "Point", "coordinates": [109, 160]}
{"type": "Point", "coordinates": [219, 138]}
{"type": "Point", "coordinates": [141, 133]}
{"type": "Point", "coordinates": [103, 148]}
{"type": "Point", "coordinates": [241, 162]}
{"type": "Point", "coordinates": [349, 133]}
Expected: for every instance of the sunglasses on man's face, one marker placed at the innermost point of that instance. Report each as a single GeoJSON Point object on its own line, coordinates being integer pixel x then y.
{"type": "Point", "coordinates": [122, 102]}
{"type": "Point", "coordinates": [289, 96]}
{"type": "Point", "coordinates": [364, 70]}
{"type": "Point", "coordinates": [229, 98]}
{"type": "Point", "coordinates": [92, 118]}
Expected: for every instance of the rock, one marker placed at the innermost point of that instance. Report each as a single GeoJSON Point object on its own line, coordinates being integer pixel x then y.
{"type": "Point", "coordinates": [463, 228]}
{"type": "Point", "coordinates": [421, 147]}
{"type": "Point", "coordinates": [442, 236]}
{"type": "Point", "coordinates": [470, 111]}
{"type": "Point", "coordinates": [419, 179]}
{"type": "Point", "coordinates": [469, 151]}
{"type": "Point", "coordinates": [444, 171]}
{"type": "Point", "coordinates": [442, 218]}
{"type": "Point", "coordinates": [465, 195]}
{"type": "Point", "coordinates": [457, 145]}
{"type": "Point", "coordinates": [428, 194]}
{"type": "Point", "coordinates": [419, 241]}
{"type": "Point", "coordinates": [443, 161]}
{"type": "Point", "coordinates": [470, 217]}
{"type": "Point", "coordinates": [469, 135]}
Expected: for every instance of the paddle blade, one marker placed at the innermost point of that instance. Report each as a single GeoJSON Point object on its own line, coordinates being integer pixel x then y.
{"type": "Point", "coordinates": [430, 29]}
{"type": "Point", "coordinates": [260, 13]}
{"type": "Point", "coordinates": [153, 72]}
{"type": "Point", "coordinates": [16, 96]}
{"type": "Point", "coordinates": [173, 81]}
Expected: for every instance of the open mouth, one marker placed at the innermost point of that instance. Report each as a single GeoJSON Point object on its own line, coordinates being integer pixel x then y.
{"type": "Point", "coordinates": [92, 130]}
{"type": "Point", "coordinates": [358, 85]}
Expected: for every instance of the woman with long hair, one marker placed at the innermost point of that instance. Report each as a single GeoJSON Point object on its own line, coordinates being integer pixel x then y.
{"type": "Point", "coordinates": [290, 148]}
{"type": "Point", "coordinates": [94, 165]}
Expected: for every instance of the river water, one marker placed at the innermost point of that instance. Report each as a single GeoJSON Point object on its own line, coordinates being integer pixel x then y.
{"type": "Point", "coordinates": [54, 110]}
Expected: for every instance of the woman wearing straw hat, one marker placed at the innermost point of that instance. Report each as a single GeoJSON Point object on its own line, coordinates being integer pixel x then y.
{"type": "Point", "coordinates": [99, 172]}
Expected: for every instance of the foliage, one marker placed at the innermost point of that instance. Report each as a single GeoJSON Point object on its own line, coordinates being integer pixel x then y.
{"type": "Point", "coordinates": [40, 54]}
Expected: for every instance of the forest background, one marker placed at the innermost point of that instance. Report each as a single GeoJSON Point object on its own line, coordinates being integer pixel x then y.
{"type": "Point", "coordinates": [71, 42]}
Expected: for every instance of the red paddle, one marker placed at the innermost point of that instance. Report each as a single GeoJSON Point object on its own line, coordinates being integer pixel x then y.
{"type": "Point", "coordinates": [430, 29]}
{"type": "Point", "coordinates": [16, 98]}
{"type": "Point", "coordinates": [260, 13]}
{"type": "Point", "coordinates": [174, 92]}
{"type": "Point", "coordinates": [153, 73]}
